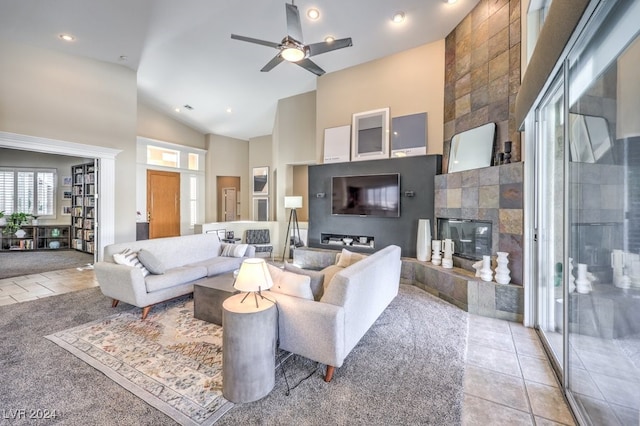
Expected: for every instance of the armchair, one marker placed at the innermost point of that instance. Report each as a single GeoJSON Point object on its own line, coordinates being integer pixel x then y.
{"type": "Point", "coordinates": [261, 240]}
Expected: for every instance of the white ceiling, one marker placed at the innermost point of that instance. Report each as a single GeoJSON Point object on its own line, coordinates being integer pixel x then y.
{"type": "Point", "coordinates": [183, 52]}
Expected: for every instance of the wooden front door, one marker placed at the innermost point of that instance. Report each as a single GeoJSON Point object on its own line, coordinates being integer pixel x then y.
{"type": "Point", "coordinates": [163, 203]}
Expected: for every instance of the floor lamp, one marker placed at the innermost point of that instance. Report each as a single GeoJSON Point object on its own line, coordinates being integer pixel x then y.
{"type": "Point", "coordinates": [293, 203]}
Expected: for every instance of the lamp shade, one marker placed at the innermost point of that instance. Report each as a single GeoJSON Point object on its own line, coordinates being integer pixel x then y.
{"type": "Point", "coordinates": [253, 276]}
{"type": "Point", "coordinates": [293, 202]}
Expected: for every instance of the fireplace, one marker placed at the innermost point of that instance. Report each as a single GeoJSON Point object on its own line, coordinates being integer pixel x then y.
{"type": "Point", "coordinates": [471, 238]}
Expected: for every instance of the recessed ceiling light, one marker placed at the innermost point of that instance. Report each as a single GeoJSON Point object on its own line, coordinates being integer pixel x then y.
{"type": "Point", "coordinates": [66, 37]}
{"type": "Point", "coordinates": [329, 39]}
{"type": "Point", "coordinates": [398, 17]}
{"type": "Point", "coordinates": [176, 109]}
{"type": "Point", "coordinates": [229, 110]}
{"type": "Point", "coordinates": [313, 14]}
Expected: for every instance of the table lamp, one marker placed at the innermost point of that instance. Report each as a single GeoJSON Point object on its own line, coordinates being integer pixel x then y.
{"type": "Point", "coordinates": [253, 277]}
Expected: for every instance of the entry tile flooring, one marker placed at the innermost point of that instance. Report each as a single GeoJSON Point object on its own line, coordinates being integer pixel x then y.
{"type": "Point", "coordinates": [508, 378]}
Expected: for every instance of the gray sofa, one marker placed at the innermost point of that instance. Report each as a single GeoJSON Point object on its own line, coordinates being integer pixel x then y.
{"type": "Point", "coordinates": [185, 259]}
{"type": "Point", "coordinates": [327, 330]}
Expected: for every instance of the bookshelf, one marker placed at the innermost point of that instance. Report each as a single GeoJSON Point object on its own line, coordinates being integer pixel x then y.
{"type": "Point", "coordinates": [48, 237]}
{"type": "Point", "coordinates": [83, 207]}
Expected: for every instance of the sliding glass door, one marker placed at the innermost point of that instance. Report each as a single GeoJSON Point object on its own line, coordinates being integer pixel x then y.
{"type": "Point", "coordinates": [587, 257]}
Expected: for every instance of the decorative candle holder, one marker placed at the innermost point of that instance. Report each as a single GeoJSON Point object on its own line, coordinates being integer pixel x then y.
{"type": "Point", "coordinates": [486, 274]}
{"type": "Point", "coordinates": [436, 246]}
{"type": "Point", "coordinates": [503, 275]}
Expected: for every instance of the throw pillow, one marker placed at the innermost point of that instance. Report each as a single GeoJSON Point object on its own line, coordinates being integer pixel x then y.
{"type": "Point", "coordinates": [348, 258]}
{"type": "Point", "coordinates": [130, 258]}
{"type": "Point", "coordinates": [151, 262]}
{"type": "Point", "coordinates": [329, 272]}
{"type": "Point", "coordinates": [289, 283]}
{"type": "Point", "coordinates": [316, 278]}
{"type": "Point", "coordinates": [233, 250]}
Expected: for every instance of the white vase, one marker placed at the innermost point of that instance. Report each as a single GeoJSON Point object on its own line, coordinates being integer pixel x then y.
{"type": "Point", "coordinates": [20, 233]}
{"type": "Point", "coordinates": [436, 246]}
{"type": "Point", "coordinates": [486, 274]}
{"type": "Point", "coordinates": [572, 278]}
{"type": "Point", "coordinates": [423, 241]}
{"type": "Point", "coordinates": [583, 285]}
{"type": "Point", "coordinates": [503, 275]}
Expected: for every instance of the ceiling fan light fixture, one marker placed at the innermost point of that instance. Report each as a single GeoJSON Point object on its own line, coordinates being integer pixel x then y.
{"type": "Point", "coordinates": [329, 39]}
{"type": "Point", "coordinates": [398, 17]}
{"type": "Point", "coordinates": [292, 54]}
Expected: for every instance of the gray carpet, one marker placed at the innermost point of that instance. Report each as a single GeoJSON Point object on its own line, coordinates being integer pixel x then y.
{"type": "Point", "coordinates": [408, 369]}
{"type": "Point", "coordinates": [16, 263]}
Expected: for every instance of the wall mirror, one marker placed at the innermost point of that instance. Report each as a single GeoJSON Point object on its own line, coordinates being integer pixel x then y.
{"type": "Point", "coordinates": [589, 140]}
{"type": "Point", "coordinates": [472, 149]}
{"type": "Point", "coordinates": [370, 135]}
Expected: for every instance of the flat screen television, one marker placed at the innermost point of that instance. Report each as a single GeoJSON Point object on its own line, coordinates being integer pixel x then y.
{"type": "Point", "coordinates": [366, 195]}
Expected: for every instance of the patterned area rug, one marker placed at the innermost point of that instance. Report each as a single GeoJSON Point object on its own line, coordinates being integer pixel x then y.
{"type": "Point", "coordinates": [171, 360]}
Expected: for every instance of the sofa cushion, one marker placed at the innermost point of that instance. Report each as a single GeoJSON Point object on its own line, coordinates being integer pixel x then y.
{"type": "Point", "coordinates": [174, 276]}
{"type": "Point", "coordinates": [316, 278]}
{"type": "Point", "coordinates": [233, 250]}
{"type": "Point", "coordinates": [348, 258]}
{"type": "Point", "coordinates": [130, 258]}
{"type": "Point", "coordinates": [284, 282]}
{"type": "Point", "coordinates": [329, 272]}
{"type": "Point", "coordinates": [151, 262]}
{"type": "Point", "coordinates": [219, 265]}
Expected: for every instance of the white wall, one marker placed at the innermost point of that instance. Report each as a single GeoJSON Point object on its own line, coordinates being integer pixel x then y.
{"type": "Point", "coordinates": [154, 124]}
{"type": "Point", "coordinates": [58, 96]}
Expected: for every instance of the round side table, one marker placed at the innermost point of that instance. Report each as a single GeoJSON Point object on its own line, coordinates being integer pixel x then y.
{"type": "Point", "coordinates": [248, 347]}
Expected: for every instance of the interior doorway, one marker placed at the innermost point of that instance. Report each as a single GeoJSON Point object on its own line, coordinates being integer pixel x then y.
{"type": "Point", "coordinates": [228, 198]}
{"type": "Point", "coordinates": [163, 203]}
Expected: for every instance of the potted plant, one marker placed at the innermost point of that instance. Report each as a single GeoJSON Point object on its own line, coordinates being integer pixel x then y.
{"type": "Point", "coordinates": [3, 221]}
{"type": "Point", "coordinates": [14, 222]}
{"type": "Point", "coordinates": [34, 219]}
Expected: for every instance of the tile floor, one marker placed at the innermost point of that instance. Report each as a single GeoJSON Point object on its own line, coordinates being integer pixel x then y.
{"type": "Point", "coordinates": [508, 378]}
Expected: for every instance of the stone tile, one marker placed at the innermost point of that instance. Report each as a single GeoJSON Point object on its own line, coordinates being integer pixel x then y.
{"type": "Point", "coordinates": [498, 20]}
{"type": "Point", "coordinates": [480, 55]}
{"type": "Point", "coordinates": [499, 43]}
{"type": "Point", "coordinates": [7, 300]}
{"type": "Point", "coordinates": [454, 180]}
{"type": "Point", "coordinates": [479, 97]}
{"type": "Point", "coordinates": [490, 215]}
{"type": "Point", "coordinates": [480, 34]}
{"type": "Point", "coordinates": [514, 33]}
{"type": "Point", "coordinates": [489, 197]}
{"type": "Point", "coordinates": [460, 290]}
{"type": "Point", "coordinates": [511, 195]}
{"type": "Point", "coordinates": [492, 339]}
{"type": "Point", "coordinates": [499, 89]}
{"type": "Point", "coordinates": [509, 298]}
{"type": "Point", "coordinates": [612, 364]}
{"type": "Point", "coordinates": [480, 412]}
{"type": "Point", "coordinates": [480, 13]}
{"type": "Point", "coordinates": [537, 370]}
{"type": "Point", "coordinates": [501, 388]}
{"type": "Point", "coordinates": [618, 390]}
{"type": "Point", "coordinates": [512, 244]}
{"type": "Point", "coordinates": [512, 173]}
{"type": "Point", "coordinates": [479, 117]}
{"type": "Point", "coordinates": [441, 197]}
{"type": "Point", "coordinates": [407, 270]}
{"type": "Point", "coordinates": [470, 197]}
{"type": "Point", "coordinates": [11, 289]}
{"type": "Point", "coordinates": [582, 383]}
{"type": "Point", "coordinates": [488, 176]}
{"type": "Point", "coordinates": [499, 66]}
{"type": "Point", "coordinates": [469, 212]}
{"type": "Point", "coordinates": [511, 221]}
{"type": "Point", "coordinates": [454, 198]}
{"type": "Point", "coordinates": [440, 182]}
{"type": "Point", "coordinates": [490, 324]}
{"type": "Point", "coordinates": [472, 296]}
{"type": "Point", "coordinates": [539, 421]}
{"type": "Point", "coordinates": [548, 402]}
{"type": "Point", "coordinates": [514, 10]}
{"type": "Point", "coordinates": [486, 298]}
{"type": "Point", "coordinates": [499, 111]}
{"type": "Point", "coordinates": [464, 27]}
{"type": "Point", "coordinates": [463, 85]}
{"type": "Point", "coordinates": [463, 105]}
{"type": "Point", "coordinates": [496, 5]}
{"type": "Point", "coordinates": [599, 411]}
{"type": "Point", "coordinates": [522, 331]}
{"type": "Point", "coordinates": [24, 297]}
{"type": "Point", "coordinates": [529, 347]}
{"type": "Point", "coordinates": [470, 178]}
{"type": "Point", "coordinates": [449, 131]}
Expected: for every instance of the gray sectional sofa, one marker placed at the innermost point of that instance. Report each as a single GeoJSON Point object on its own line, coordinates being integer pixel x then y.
{"type": "Point", "coordinates": [326, 330]}
{"type": "Point", "coordinates": [183, 259]}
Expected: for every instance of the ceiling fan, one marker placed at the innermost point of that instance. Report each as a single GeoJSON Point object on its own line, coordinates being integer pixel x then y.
{"type": "Point", "coordinates": [292, 48]}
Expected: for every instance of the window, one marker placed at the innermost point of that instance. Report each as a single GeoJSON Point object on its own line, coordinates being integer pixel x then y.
{"type": "Point", "coordinates": [193, 201]}
{"type": "Point", "coordinates": [166, 157]}
{"type": "Point", "coordinates": [193, 161]}
{"type": "Point", "coordinates": [31, 191]}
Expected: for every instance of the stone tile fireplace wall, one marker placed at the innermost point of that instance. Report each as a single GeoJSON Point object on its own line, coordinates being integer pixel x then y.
{"type": "Point", "coordinates": [492, 194]}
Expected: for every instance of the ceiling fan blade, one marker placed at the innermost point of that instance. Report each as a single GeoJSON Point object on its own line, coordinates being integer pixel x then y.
{"type": "Point", "coordinates": [309, 65]}
{"type": "Point", "coordinates": [272, 63]}
{"type": "Point", "coordinates": [294, 27]}
{"type": "Point", "coordinates": [328, 46]}
{"type": "Point", "coordinates": [255, 40]}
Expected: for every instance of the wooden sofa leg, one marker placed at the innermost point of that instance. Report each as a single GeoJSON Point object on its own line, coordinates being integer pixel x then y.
{"type": "Point", "coordinates": [114, 303]}
{"type": "Point", "coordinates": [145, 311]}
{"type": "Point", "coordinates": [329, 375]}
